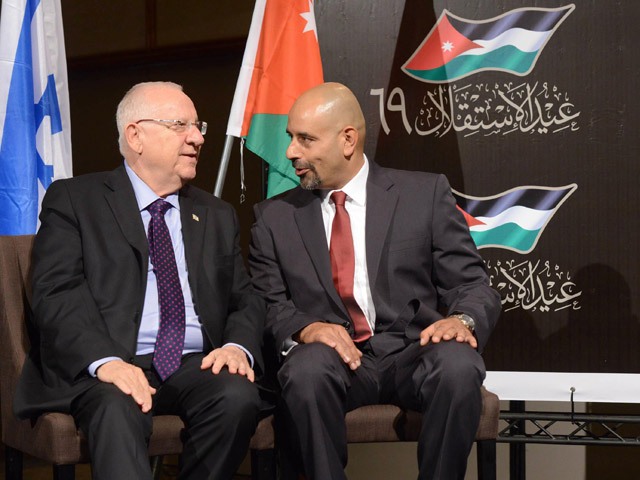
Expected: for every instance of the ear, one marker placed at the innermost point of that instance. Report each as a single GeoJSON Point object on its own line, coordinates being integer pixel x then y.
{"type": "Point", "coordinates": [350, 137]}
{"type": "Point", "coordinates": [132, 136]}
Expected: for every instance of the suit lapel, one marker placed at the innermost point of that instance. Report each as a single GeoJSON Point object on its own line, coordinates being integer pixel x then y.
{"type": "Point", "coordinates": [121, 198]}
{"type": "Point", "coordinates": [194, 222]}
{"type": "Point", "coordinates": [308, 217]}
{"type": "Point", "coordinates": [381, 203]}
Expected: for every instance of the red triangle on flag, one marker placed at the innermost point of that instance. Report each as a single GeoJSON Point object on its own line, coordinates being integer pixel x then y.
{"type": "Point", "coordinates": [443, 44]}
{"type": "Point", "coordinates": [471, 221]}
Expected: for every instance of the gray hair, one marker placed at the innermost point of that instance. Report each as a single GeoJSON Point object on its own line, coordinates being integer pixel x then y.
{"type": "Point", "coordinates": [131, 108]}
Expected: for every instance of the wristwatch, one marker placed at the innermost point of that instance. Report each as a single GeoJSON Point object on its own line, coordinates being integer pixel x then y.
{"type": "Point", "coordinates": [466, 320]}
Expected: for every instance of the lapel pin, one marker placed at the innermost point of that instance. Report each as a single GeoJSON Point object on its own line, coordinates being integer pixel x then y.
{"type": "Point", "coordinates": [195, 217]}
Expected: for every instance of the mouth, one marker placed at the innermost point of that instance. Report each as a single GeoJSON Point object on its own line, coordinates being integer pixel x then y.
{"type": "Point", "coordinates": [301, 168]}
{"type": "Point", "coordinates": [192, 156]}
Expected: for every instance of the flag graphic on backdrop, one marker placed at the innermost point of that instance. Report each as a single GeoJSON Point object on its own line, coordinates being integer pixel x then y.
{"type": "Point", "coordinates": [513, 220]}
{"type": "Point", "coordinates": [457, 47]}
{"type": "Point", "coordinates": [281, 60]}
{"type": "Point", "coordinates": [35, 133]}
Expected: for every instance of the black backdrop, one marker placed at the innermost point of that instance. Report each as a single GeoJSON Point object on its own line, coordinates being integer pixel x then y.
{"type": "Point", "coordinates": [570, 304]}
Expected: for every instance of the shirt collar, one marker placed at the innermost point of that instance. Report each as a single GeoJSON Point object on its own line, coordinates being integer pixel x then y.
{"type": "Point", "coordinates": [144, 195]}
{"type": "Point", "coordinates": [356, 188]}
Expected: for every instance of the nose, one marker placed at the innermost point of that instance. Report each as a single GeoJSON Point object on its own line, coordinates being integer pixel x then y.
{"type": "Point", "coordinates": [292, 152]}
{"type": "Point", "coordinates": [194, 137]}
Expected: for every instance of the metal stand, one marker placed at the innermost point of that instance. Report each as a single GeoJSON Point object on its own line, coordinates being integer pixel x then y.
{"type": "Point", "coordinates": [519, 428]}
{"type": "Point", "coordinates": [517, 452]}
{"type": "Point", "coordinates": [583, 429]}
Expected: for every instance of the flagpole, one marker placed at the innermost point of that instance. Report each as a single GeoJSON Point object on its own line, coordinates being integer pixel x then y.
{"type": "Point", "coordinates": [224, 163]}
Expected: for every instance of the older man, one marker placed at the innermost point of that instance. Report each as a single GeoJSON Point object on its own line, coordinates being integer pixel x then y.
{"type": "Point", "coordinates": [142, 305]}
{"type": "Point", "coordinates": [375, 293]}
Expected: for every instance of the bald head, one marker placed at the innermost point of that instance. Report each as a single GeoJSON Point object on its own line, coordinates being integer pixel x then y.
{"type": "Point", "coordinates": [327, 131]}
{"type": "Point", "coordinates": [334, 104]}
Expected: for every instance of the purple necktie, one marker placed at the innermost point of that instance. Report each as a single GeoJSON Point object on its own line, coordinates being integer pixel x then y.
{"type": "Point", "coordinates": [343, 266]}
{"type": "Point", "coordinates": [170, 339]}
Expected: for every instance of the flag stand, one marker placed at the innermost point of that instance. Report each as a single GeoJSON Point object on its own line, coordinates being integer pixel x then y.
{"type": "Point", "coordinates": [224, 163]}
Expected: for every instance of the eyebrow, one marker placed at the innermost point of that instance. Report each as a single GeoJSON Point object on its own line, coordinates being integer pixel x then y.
{"type": "Point", "coordinates": [300, 134]}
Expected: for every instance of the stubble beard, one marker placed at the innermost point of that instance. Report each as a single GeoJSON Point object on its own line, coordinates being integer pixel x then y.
{"type": "Point", "coordinates": [311, 180]}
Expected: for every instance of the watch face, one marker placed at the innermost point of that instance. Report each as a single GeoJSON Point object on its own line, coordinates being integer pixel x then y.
{"type": "Point", "coordinates": [466, 320]}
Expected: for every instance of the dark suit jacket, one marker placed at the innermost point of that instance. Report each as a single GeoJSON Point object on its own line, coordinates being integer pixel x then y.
{"type": "Point", "coordinates": [90, 262]}
{"type": "Point", "coordinates": [421, 261]}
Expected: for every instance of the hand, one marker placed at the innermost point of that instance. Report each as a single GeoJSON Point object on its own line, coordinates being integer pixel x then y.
{"type": "Point", "coordinates": [336, 336]}
{"type": "Point", "coordinates": [130, 379]}
{"type": "Point", "coordinates": [233, 357]}
{"type": "Point", "coordinates": [447, 329]}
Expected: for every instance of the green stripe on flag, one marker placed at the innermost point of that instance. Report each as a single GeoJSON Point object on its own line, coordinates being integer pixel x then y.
{"type": "Point", "coordinates": [268, 138]}
{"type": "Point", "coordinates": [504, 58]}
{"type": "Point", "coordinates": [278, 183]}
{"type": "Point", "coordinates": [509, 236]}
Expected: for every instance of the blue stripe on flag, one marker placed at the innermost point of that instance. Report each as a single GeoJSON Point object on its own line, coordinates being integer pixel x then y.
{"type": "Point", "coordinates": [21, 164]}
{"type": "Point", "coordinates": [19, 194]}
{"type": "Point", "coordinates": [48, 106]}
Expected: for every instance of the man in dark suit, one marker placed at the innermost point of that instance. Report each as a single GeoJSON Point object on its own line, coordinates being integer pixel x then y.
{"type": "Point", "coordinates": [125, 326]}
{"type": "Point", "coordinates": [396, 313]}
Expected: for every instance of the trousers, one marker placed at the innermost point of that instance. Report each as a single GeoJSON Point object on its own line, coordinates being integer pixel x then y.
{"type": "Point", "coordinates": [442, 381]}
{"type": "Point", "coordinates": [220, 413]}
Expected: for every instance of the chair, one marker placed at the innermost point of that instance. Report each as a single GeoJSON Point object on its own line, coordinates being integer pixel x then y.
{"type": "Point", "coordinates": [389, 423]}
{"type": "Point", "coordinates": [54, 437]}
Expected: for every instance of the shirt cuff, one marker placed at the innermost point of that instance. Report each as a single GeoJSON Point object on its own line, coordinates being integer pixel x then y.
{"type": "Point", "coordinates": [98, 363]}
{"type": "Point", "coordinates": [287, 346]}
{"type": "Point", "coordinates": [249, 356]}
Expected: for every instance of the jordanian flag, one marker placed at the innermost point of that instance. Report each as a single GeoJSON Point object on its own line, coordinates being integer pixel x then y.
{"type": "Point", "coordinates": [513, 220]}
{"type": "Point", "coordinates": [457, 47]}
{"type": "Point", "coordinates": [281, 60]}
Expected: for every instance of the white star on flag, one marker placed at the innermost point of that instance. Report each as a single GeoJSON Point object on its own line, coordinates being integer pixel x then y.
{"type": "Point", "coordinates": [447, 46]}
{"type": "Point", "coordinates": [311, 20]}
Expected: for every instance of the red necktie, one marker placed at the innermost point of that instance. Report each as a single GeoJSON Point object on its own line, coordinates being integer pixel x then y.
{"type": "Point", "coordinates": [170, 339]}
{"type": "Point", "coordinates": [343, 266]}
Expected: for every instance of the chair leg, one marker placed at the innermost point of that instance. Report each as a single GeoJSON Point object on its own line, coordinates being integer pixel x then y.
{"type": "Point", "coordinates": [486, 453]}
{"type": "Point", "coordinates": [64, 472]}
{"type": "Point", "coordinates": [156, 467]}
{"type": "Point", "coordinates": [263, 464]}
{"type": "Point", "coordinates": [12, 463]}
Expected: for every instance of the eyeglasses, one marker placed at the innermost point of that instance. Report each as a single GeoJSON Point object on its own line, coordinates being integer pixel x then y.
{"type": "Point", "coordinates": [178, 125]}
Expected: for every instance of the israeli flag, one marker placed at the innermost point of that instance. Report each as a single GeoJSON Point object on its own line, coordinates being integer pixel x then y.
{"type": "Point", "coordinates": [35, 131]}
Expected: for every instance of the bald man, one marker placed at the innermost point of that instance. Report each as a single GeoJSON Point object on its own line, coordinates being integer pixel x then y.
{"type": "Point", "coordinates": [374, 295]}
{"type": "Point", "coordinates": [122, 257]}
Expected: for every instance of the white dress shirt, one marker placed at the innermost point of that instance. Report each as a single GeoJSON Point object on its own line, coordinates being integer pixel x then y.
{"type": "Point", "coordinates": [356, 206]}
